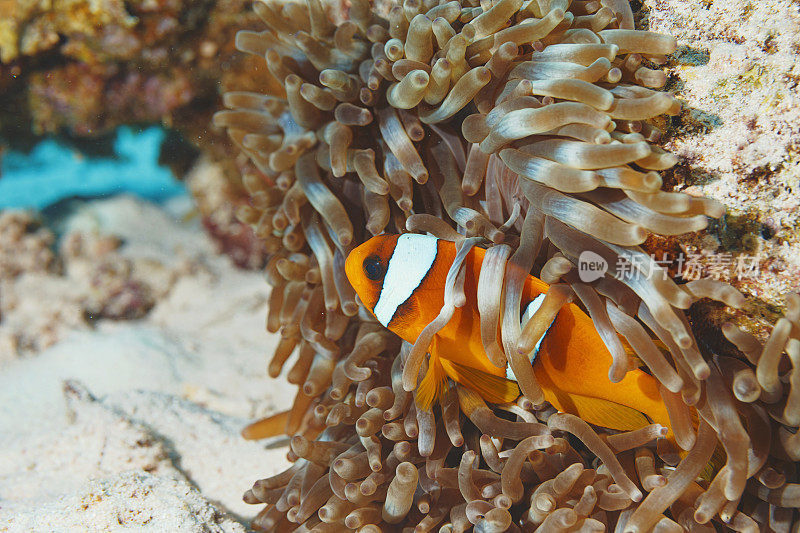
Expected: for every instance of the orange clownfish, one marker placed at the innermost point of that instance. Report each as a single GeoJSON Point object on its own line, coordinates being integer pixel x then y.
{"type": "Point", "coordinates": [400, 279]}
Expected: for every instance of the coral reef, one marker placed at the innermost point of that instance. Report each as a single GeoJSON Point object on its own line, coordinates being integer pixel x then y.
{"type": "Point", "coordinates": [89, 277]}
{"type": "Point", "coordinates": [26, 253]}
{"type": "Point", "coordinates": [32, 26]}
{"type": "Point", "coordinates": [25, 246]}
{"type": "Point", "coordinates": [531, 130]}
{"type": "Point", "coordinates": [737, 70]}
{"type": "Point", "coordinates": [80, 69]}
{"type": "Point", "coordinates": [87, 67]}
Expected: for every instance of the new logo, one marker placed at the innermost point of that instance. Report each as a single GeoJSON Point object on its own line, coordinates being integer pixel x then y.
{"type": "Point", "coordinates": [591, 266]}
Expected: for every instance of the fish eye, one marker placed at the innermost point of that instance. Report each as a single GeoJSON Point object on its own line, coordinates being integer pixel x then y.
{"type": "Point", "coordinates": [373, 268]}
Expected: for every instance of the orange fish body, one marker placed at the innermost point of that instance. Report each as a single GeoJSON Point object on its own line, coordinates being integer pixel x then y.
{"type": "Point", "coordinates": [401, 280]}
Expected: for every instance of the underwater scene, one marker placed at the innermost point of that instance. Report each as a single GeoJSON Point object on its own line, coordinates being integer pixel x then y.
{"type": "Point", "coordinates": [400, 266]}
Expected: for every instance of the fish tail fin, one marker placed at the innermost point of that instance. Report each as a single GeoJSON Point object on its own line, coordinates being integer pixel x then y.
{"type": "Point", "coordinates": [493, 389]}
{"type": "Point", "coordinates": [270, 426]}
{"type": "Point", "coordinates": [433, 384]}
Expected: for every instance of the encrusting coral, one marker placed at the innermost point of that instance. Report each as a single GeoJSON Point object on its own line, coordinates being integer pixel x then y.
{"type": "Point", "coordinates": [529, 129]}
{"type": "Point", "coordinates": [87, 277]}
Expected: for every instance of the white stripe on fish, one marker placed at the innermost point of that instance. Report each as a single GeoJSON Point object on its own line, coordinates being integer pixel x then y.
{"type": "Point", "coordinates": [533, 306]}
{"type": "Point", "coordinates": [413, 257]}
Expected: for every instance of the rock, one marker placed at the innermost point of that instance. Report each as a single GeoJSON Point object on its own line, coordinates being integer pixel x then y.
{"type": "Point", "coordinates": [86, 67]}
{"type": "Point", "coordinates": [97, 443]}
{"type": "Point", "coordinates": [210, 449]}
{"type": "Point", "coordinates": [736, 71]}
{"type": "Point", "coordinates": [127, 501]}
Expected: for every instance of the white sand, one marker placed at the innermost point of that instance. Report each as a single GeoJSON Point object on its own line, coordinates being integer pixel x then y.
{"type": "Point", "coordinates": [136, 423]}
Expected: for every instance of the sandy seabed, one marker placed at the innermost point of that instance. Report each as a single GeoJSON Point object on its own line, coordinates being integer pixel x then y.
{"type": "Point", "coordinates": [134, 423]}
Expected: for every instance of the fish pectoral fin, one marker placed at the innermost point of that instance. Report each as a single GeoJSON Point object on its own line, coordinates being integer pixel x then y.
{"type": "Point", "coordinates": [600, 412]}
{"type": "Point", "coordinates": [493, 389]}
{"type": "Point", "coordinates": [433, 384]}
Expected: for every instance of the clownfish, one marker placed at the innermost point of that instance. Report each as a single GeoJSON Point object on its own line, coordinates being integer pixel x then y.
{"type": "Point", "coordinates": [400, 279]}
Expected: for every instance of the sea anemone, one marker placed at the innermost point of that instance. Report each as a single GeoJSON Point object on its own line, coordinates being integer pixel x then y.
{"type": "Point", "coordinates": [526, 128]}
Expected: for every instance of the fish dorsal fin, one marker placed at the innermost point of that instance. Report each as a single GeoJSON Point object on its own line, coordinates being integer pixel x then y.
{"type": "Point", "coordinates": [433, 383]}
{"type": "Point", "coordinates": [493, 389]}
{"type": "Point", "coordinates": [600, 412]}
